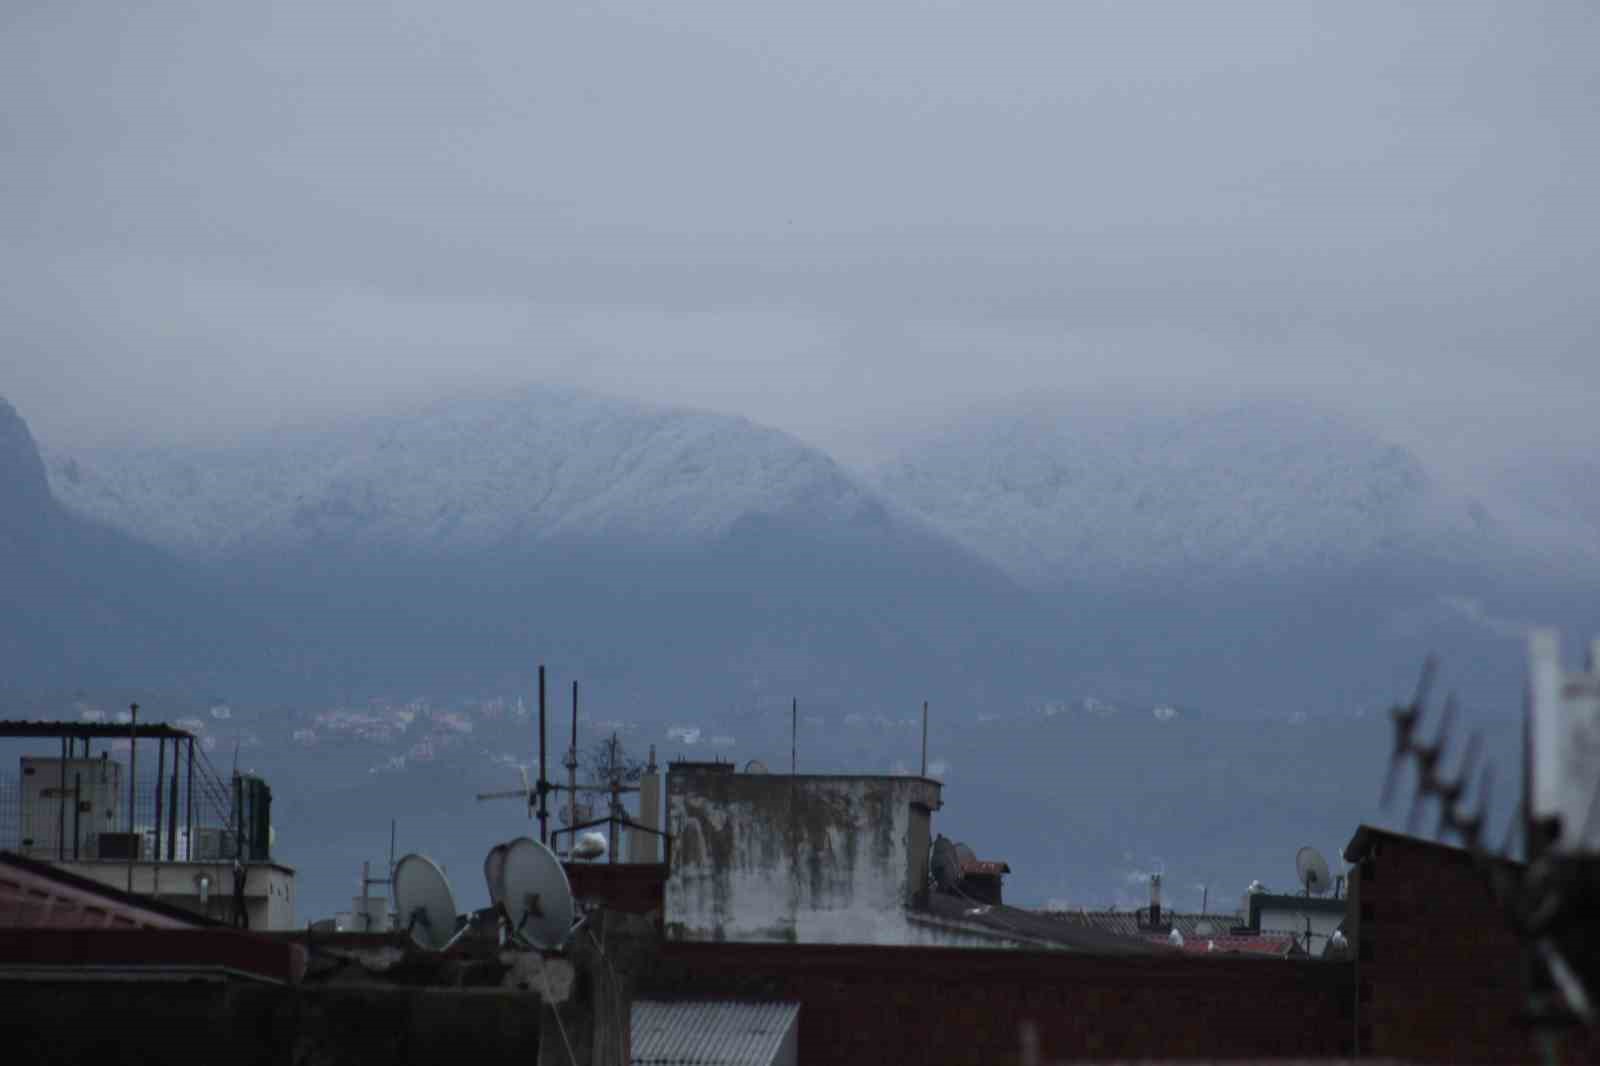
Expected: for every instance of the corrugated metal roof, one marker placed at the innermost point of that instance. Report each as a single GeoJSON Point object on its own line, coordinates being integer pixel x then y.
{"type": "Point", "coordinates": [720, 1033]}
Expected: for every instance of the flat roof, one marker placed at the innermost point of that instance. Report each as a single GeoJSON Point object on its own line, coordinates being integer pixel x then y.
{"type": "Point", "coordinates": [1368, 836]}
{"type": "Point", "coordinates": [92, 731]}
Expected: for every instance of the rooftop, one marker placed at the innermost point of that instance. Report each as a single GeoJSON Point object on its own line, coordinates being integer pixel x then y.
{"type": "Point", "coordinates": [721, 1033]}
{"type": "Point", "coordinates": [1033, 927]}
{"type": "Point", "coordinates": [92, 731]}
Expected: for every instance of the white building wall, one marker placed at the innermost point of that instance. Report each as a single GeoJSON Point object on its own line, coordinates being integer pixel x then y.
{"type": "Point", "coordinates": [807, 858]}
{"type": "Point", "coordinates": [269, 888]}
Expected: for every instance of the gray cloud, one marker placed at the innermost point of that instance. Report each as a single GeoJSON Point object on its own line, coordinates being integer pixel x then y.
{"type": "Point", "coordinates": [839, 220]}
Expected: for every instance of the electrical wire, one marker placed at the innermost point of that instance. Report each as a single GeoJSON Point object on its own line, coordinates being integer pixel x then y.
{"type": "Point", "coordinates": [544, 972]}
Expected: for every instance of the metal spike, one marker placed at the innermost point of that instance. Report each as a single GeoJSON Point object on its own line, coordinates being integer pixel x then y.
{"type": "Point", "coordinates": [1567, 983]}
{"type": "Point", "coordinates": [1430, 666]}
{"type": "Point", "coordinates": [1416, 806]}
{"type": "Point", "coordinates": [1582, 841]}
{"type": "Point", "coordinates": [1452, 789]}
{"type": "Point", "coordinates": [1447, 723]}
{"type": "Point", "coordinates": [1471, 827]}
{"type": "Point", "coordinates": [1405, 724]}
{"type": "Point", "coordinates": [1388, 778]}
{"type": "Point", "coordinates": [1511, 832]}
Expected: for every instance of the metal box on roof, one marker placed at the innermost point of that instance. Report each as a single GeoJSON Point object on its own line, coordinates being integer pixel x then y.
{"type": "Point", "coordinates": [66, 822]}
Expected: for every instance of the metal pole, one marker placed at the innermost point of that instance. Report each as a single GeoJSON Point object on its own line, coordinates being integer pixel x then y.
{"type": "Point", "coordinates": [572, 771]}
{"type": "Point", "coordinates": [161, 774]}
{"type": "Point", "coordinates": [924, 738]}
{"type": "Point", "coordinates": [544, 835]}
{"type": "Point", "coordinates": [616, 797]}
{"type": "Point", "coordinates": [61, 804]}
{"type": "Point", "coordinates": [794, 736]}
{"type": "Point", "coordinates": [133, 795]}
{"type": "Point", "coordinates": [172, 808]}
{"type": "Point", "coordinates": [77, 811]}
{"type": "Point", "coordinates": [188, 813]}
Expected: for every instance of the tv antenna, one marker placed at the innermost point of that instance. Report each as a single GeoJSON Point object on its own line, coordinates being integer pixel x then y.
{"type": "Point", "coordinates": [538, 899]}
{"type": "Point", "coordinates": [422, 896]}
{"type": "Point", "coordinates": [1312, 871]}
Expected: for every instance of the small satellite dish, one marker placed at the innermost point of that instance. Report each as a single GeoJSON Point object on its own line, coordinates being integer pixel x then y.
{"type": "Point", "coordinates": [965, 856]}
{"type": "Point", "coordinates": [946, 866]}
{"type": "Point", "coordinates": [1175, 938]}
{"type": "Point", "coordinates": [1204, 929]}
{"type": "Point", "coordinates": [422, 896]}
{"type": "Point", "coordinates": [538, 898]}
{"type": "Point", "coordinates": [494, 868]}
{"type": "Point", "coordinates": [755, 766]}
{"type": "Point", "coordinates": [1312, 869]}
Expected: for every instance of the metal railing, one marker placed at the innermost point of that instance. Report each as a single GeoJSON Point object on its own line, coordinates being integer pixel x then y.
{"type": "Point", "coordinates": [90, 819]}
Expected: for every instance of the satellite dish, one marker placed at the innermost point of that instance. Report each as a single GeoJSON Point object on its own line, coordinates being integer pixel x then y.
{"type": "Point", "coordinates": [1312, 870]}
{"type": "Point", "coordinates": [494, 868]}
{"type": "Point", "coordinates": [965, 856]}
{"type": "Point", "coordinates": [422, 896]}
{"type": "Point", "coordinates": [755, 766]}
{"type": "Point", "coordinates": [538, 898]}
{"type": "Point", "coordinates": [1204, 929]}
{"type": "Point", "coordinates": [946, 865]}
{"type": "Point", "coordinates": [1175, 938]}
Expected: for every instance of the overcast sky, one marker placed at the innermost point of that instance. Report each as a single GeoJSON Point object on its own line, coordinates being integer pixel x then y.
{"type": "Point", "coordinates": [843, 219]}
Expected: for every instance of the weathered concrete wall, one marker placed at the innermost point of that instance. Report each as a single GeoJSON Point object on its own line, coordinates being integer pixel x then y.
{"type": "Point", "coordinates": [268, 897]}
{"type": "Point", "coordinates": [806, 858]}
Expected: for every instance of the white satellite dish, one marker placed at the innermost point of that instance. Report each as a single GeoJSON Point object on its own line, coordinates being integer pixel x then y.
{"type": "Point", "coordinates": [1204, 928]}
{"type": "Point", "coordinates": [494, 869]}
{"type": "Point", "coordinates": [422, 896]}
{"type": "Point", "coordinates": [755, 766]}
{"type": "Point", "coordinates": [538, 898]}
{"type": "Point", "coordinates": [1312, 869]}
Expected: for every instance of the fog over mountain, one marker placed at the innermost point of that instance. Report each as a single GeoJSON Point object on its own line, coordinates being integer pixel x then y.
{"type": "Point", "coordinates": [1088, 601]}
{"type": "Point", "coordinates": [524, 467]}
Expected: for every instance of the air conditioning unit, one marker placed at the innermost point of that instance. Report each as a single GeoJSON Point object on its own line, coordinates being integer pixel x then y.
{"type": "Point", "coordinates": [211, 844]}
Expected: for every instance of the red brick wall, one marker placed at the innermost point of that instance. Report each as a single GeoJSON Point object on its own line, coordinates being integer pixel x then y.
{"type": "Point", "coordinates": [950, 1005]}
{"type": "Point", "coordinates": [1438, 970]}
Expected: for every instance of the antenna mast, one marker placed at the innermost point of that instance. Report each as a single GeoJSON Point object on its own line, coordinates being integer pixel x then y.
{"type": "Point", "coordinates": [544, 835]}
{"type": "Point", "coordinates": [924, 738]}
{"type": "Point", "coordinates": [572, 767]}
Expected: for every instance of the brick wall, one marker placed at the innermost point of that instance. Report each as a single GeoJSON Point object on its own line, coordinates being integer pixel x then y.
{"type": "Point", "coordinates": [1438, 970]}
{"type": "Point", "coordinates": [178, 1023]}
{"type": "Point", "coordinates": [863, 1004]}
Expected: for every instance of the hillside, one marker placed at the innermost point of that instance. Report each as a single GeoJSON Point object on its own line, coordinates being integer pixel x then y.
{"type": "Point", "coordinates": [1059, 495]}
{"type": "Point", "coordinates": [664, 554]}
{"type": "Point", "coordinates": [515, 469]}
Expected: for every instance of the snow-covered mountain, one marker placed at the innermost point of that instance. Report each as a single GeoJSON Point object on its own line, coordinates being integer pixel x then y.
{"type": "Point", "coordinates": [521, 467]}
{"type": "Point", "coordinates": [1263, 490]}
